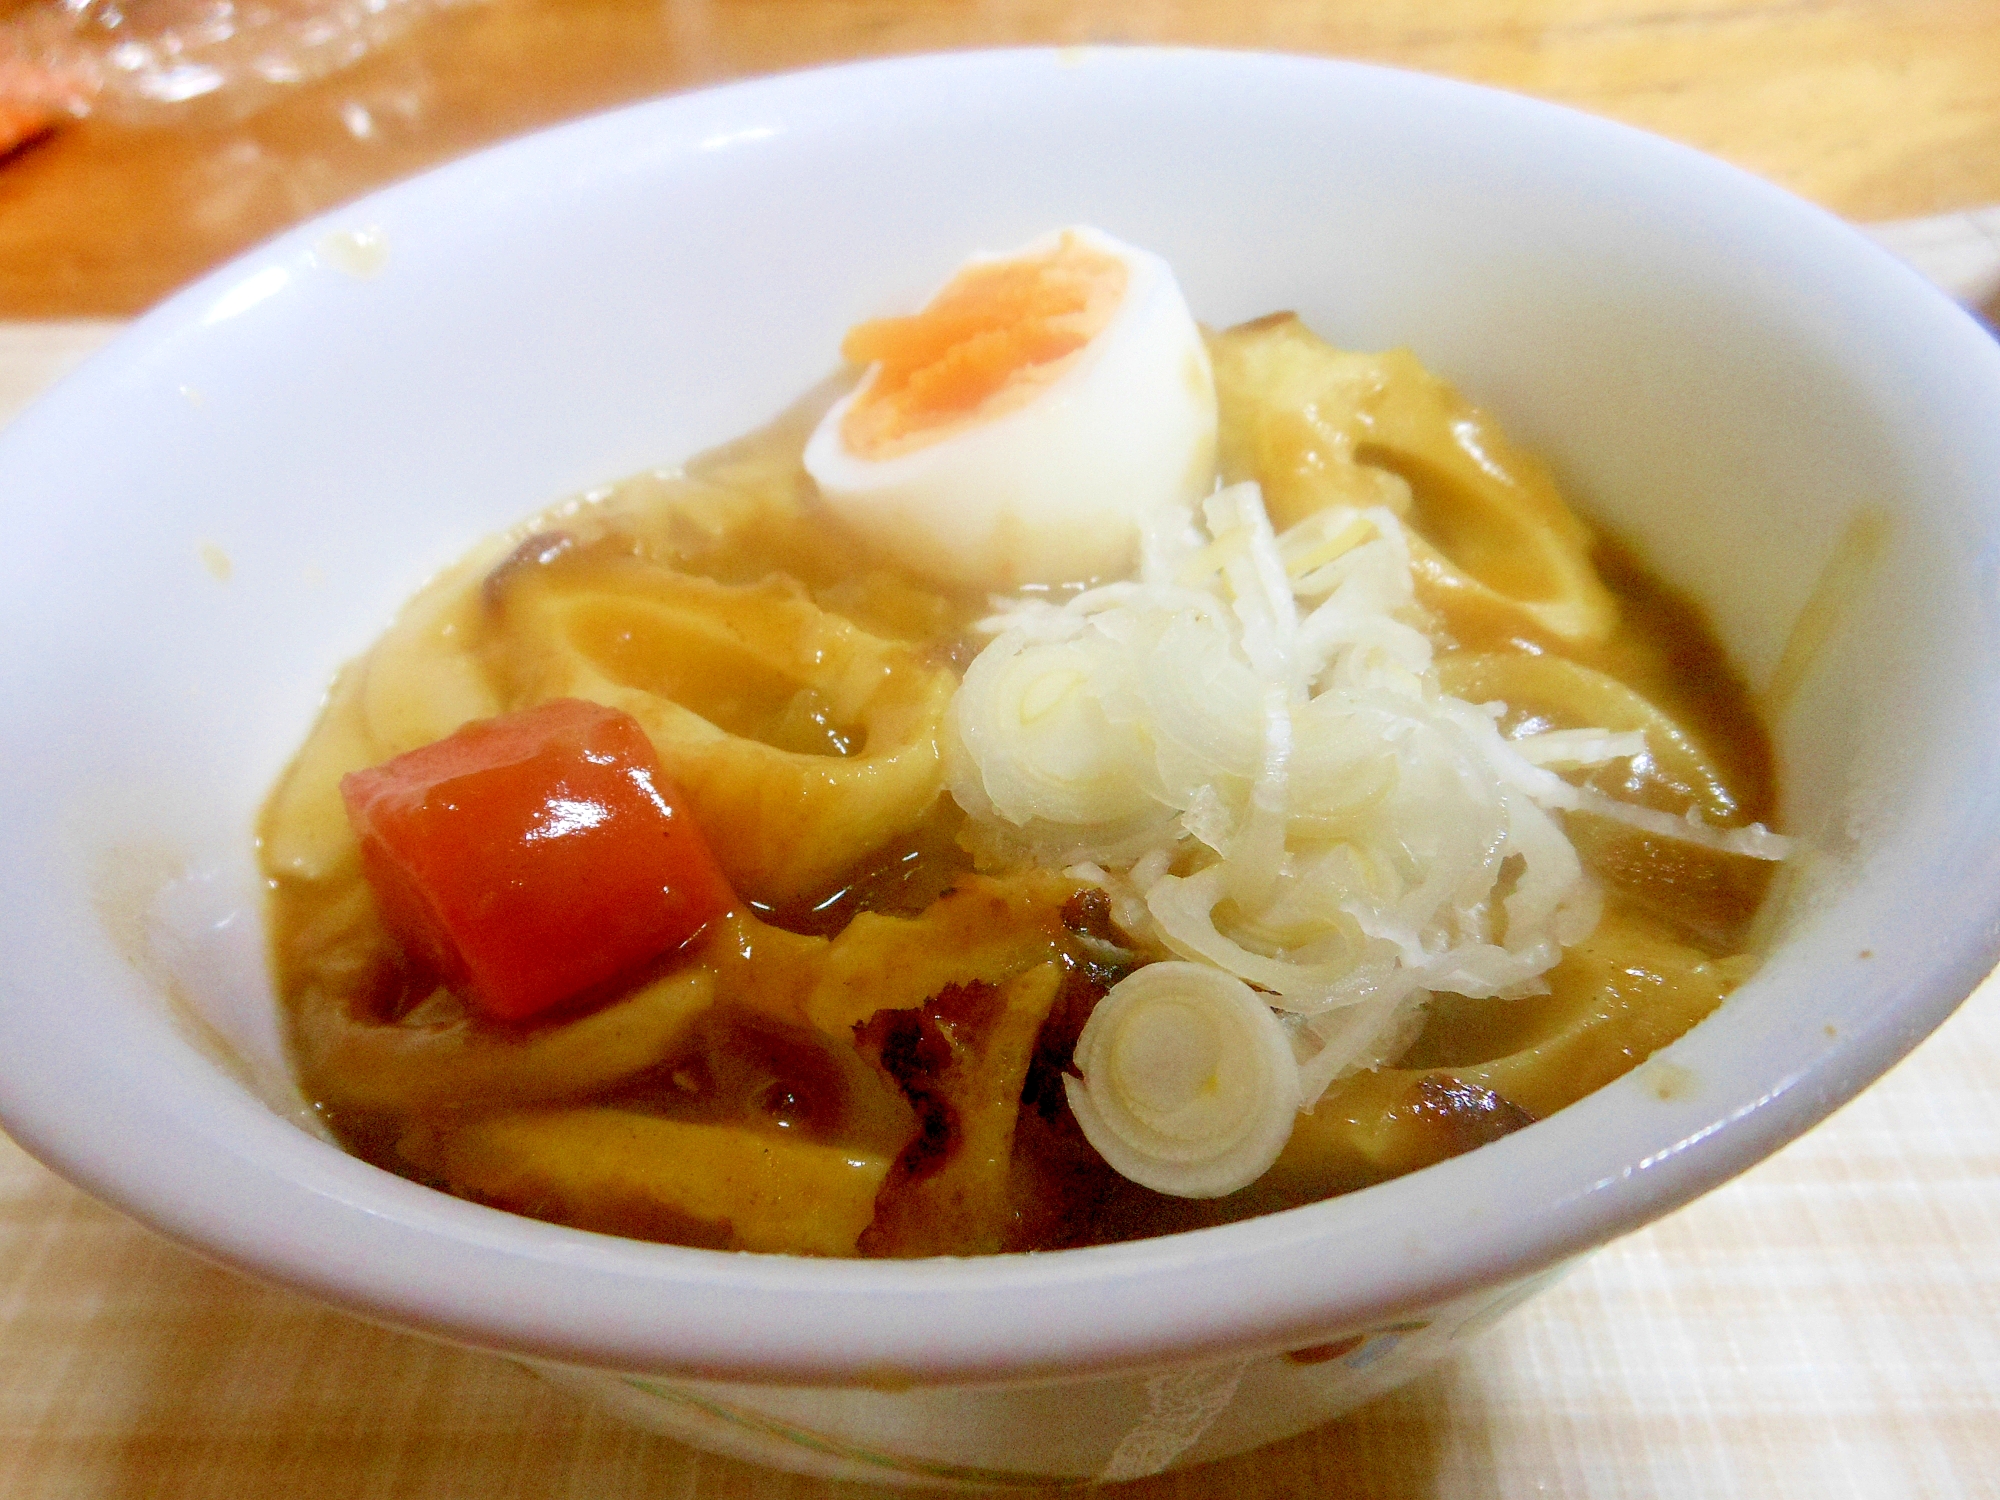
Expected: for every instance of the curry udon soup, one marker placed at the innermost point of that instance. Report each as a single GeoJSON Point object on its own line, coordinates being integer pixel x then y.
{"type": "Point", "coordinates": [814, 851]}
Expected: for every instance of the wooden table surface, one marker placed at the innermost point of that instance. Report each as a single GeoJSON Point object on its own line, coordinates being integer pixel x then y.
{"type": "Point", "coordinates": [1879, 109]}
{"type": "Point", "coordinates": [1826, 1326]}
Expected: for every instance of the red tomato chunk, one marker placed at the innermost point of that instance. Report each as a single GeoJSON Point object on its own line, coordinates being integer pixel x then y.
{"type": "Point", "coordinates": [534, 855]}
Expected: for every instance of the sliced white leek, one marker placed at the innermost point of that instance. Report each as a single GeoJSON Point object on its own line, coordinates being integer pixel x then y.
{"type": "Point", "coordinates": [1251, 747]}
{"type": "Point", "coordinates": [1035, 721]}
{"type": "Point", "coordinates": [1189, 1083]}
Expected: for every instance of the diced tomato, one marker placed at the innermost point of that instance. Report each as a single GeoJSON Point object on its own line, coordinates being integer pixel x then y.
{"type": "Point", "coordinates": [531, 856]}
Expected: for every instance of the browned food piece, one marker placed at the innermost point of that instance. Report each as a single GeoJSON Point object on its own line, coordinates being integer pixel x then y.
{"type": "Point", "coordinates": [737, 1067]}
{"type": "Point", "coordinates": [1700, 893]}
{"type": "Point", "coordinates": [962, 1059]}
{"type": "Point", "coordinates": [983, 929]}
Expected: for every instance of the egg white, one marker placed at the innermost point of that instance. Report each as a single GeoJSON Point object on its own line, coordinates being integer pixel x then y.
{"type": "Point", "coordinates": [1054, 490]}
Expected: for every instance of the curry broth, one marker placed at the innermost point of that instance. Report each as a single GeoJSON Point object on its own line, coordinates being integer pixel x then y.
{"type": "Point", "coordinates": [866, 1055]}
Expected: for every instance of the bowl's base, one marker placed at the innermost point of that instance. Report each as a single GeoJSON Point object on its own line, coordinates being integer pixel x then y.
{"type": "Point", "coordinates": [1032, 1434]}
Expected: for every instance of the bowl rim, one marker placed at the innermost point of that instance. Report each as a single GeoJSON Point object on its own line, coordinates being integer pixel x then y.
{"type": "Point", "coordinates": [361, 1238]}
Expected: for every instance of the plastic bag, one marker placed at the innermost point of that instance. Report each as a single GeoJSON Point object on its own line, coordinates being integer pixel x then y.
{"type": "Point", "coordinates": [152, 61]}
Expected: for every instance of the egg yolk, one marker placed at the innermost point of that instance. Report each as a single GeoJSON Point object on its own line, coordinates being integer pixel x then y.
{"type": "Point", "coordinates": [991, 341]}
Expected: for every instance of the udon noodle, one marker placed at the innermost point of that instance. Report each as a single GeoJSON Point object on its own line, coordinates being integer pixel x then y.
{"type": "Point", "coordinates": [874, 1050]}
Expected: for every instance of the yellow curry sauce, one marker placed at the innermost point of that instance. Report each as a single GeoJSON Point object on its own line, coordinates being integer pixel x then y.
{"type": "Point", "coordinates": [865, 1057]}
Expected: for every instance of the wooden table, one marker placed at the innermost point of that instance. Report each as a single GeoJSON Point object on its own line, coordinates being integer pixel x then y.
{"type": "Point", "coordinates": [1826, 1326]}
{"type": "Point", "coordinates": [1879, 109]}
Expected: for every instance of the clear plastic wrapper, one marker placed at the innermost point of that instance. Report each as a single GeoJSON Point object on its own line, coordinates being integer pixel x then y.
{"type": "Point", "coordinates": [154, 61]}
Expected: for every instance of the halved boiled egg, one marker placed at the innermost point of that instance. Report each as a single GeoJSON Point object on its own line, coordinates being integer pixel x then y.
{"type": "Point", "coordinates": [1020, 428]}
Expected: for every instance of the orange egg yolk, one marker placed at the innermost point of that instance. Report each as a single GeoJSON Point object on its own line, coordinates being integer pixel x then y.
{"type": "Point", "coordinates": [990, 342]}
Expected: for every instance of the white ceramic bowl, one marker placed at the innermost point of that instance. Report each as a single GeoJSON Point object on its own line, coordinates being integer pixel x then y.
{"type": "Point", "coordinates": [1723, 375]}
